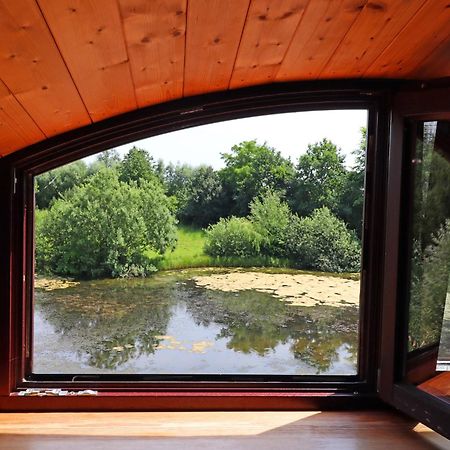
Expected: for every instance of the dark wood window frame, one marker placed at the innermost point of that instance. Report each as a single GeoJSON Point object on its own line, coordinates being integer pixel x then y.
{"type": "Point", "coordinates": [16, 250]}
{"type": "Point", "coordinates": [410, 105]}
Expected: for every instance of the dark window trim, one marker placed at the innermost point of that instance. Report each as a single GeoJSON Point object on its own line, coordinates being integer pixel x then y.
{"type": "Point", "coordinates": [16, 177]}
{"type": "Point", "coordinates": [424, 103]}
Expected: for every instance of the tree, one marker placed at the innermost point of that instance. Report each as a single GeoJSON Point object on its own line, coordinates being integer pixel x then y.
{"type": "Point", "coordinates": [105, 227]}
{"type": "Point", "coordinates": [250, 170]}
{"type": "Point", "coordinates": [271, 218]}
{"type": "Point", "coordinates": [319, 179]}
{"type": "Point", "coordinates": [108, 158]}
{"type": "Point", "coordinates": [56, 183]}
{"type": "Point", "coordinates": [137, 165]}
{"type": "Point", "coordinates": [351, 200]}
{"type": "Point", "coordinates": [203, 204]}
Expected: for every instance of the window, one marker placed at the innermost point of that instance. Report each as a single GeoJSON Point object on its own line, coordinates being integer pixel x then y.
{"type": "Point", "coordinates": [349, 361]}
{"type": "Point", "coordinates": [246, 263]}
{"type": "Point", "coordinates": [429, 300]}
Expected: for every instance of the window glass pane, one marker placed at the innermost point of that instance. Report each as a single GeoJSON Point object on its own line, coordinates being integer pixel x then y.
{"type": "Point", "coordinates": [231, 248]}
{"type": "Point", "coordinates": [429, 331]}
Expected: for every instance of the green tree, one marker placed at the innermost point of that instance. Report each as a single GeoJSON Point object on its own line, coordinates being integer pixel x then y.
{"type": "Point", "coordinates": [57, 183]}
{"type": "Point", "coordinates": [351, 202]}
{"type": "Point", "coordinates": [250, 169]}
{"type": "Point", "coordinates": [271, 218]}
{"type": "Point", "coordinates": [319, 179]}
{"type": "Point", "coordinates": [137, 165]}
{"type": "Point", "coordinates": [178, 180]}
{"type": "Point", "coordinates": [105, 227]}
{"type": "Point", "coordinates": [203, 204]}
{"type": "Point", "coordinates": [108, 158]}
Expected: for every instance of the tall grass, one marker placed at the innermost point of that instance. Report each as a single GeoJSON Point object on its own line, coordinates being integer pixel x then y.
{"type": "Point", "coordinates": [189, 253]}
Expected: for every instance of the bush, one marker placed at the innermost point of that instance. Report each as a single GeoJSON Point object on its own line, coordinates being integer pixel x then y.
{"type": "Point", "coordinates": [235, 236]}
{"type": "Point", "coordinates": [272, 218]}
{"type": "Point", "coordinates": [323, 242]}
{"type": "Point", "coordinates": [104, 228]}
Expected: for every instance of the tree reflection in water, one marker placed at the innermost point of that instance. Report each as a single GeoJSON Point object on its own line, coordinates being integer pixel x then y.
{"type": "Point", "coordinates": [113, 322]}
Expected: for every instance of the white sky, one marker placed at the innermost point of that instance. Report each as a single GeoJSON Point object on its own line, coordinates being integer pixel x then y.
{"type": "Point", "coordinates": [289, 133]}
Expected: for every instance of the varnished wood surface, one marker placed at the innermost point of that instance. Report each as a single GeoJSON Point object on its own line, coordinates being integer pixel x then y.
{"type": "Point", "coordinates": [368, 430]}
{"type": "Point", "coordinates": [438, 386]}
{"type": "Point", "coordinates": [67, 63]}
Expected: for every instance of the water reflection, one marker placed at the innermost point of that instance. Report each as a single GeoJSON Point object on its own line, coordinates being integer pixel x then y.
{"type": "Point", "coordinates": [167, 324]}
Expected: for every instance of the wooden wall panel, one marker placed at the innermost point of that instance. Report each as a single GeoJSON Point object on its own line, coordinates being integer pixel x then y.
{"type": "Point", "coordinates": [33, 70]}
{"type": "Point", "coordinates": [424, 33]}
{"type": "Point", "coordinates": [268, 31]}
{"type": "Point", "coordinates": [90, 38]}
{"type": "Point", "coordinates": [17, 129]}
{"type": "Point", "coordinates": [373, 30]}
{"type": "Point", "coordinates": [155, 37]}
{"type": "Point", "coordinates": [214, 29]}
{"type": "Point", "coordinates": [323, 26]}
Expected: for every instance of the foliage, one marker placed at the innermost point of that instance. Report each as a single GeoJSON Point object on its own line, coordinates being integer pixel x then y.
{"type": "Point", "coordinates": [429, 287]}
{"type": "Point", "coordinates": [319, 179]}
{"type": "Point", "coordinates": [323, 242]}
{"type": "Point", "coordinates": [271, 218]}
{"type": "Point", "coordinates": [105, 226]}
{"type": "Point", "coordinates": [430, 266]}
{"type": "Point", "coordinates": [250, 169]}
{"type": "Point", "coordinates": [108, 158]}
{"type": "Point", "coordinates": [57, 183]}
{"type": "Point", "coordinates": [235, 236]}
{"type": "Point", "coordinates": [199, 197]}
{"type": "Point", "coordinates": [137, 165]}
{"type": "Point", "coordinates": [351, 201]}
{"type": "Point", "coordinates": [43, 245]}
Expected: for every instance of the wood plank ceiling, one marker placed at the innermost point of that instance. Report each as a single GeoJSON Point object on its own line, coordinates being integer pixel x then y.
{"type": "Point", "coordinates": [68, 63]}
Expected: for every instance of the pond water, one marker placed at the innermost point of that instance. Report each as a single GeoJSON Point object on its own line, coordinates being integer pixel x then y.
{"type": "Point", "coordinates": [169, 324]}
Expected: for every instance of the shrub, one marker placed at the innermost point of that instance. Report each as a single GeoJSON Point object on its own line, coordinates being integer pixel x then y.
{"type": "Point", "coordinates": [323, 242]}
{"type": "Point", "coordinates": [235, 236]}
{"type": "Point", "coordinates": [271, 218]}
{"type": "Point", "coordinates": [105, 227]}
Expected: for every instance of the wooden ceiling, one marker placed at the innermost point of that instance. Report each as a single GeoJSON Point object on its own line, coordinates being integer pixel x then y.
{"type": "Point", "coordinates": [68, 63]}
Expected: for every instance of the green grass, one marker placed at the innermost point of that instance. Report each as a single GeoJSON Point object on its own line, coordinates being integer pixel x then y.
{"type": "Point", "coordinates": [189, 253]}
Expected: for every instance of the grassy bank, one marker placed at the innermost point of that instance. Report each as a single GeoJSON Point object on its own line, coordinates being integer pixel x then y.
{"type": "Point", "coordinates": [189, 253]}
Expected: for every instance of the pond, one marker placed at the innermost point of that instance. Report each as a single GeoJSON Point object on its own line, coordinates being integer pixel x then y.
{"type": "Point", "coordinates": [199, 322]}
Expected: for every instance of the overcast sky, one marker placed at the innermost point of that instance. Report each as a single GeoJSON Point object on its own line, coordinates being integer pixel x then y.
{"type": "Point", "coordinates": [289, 133]}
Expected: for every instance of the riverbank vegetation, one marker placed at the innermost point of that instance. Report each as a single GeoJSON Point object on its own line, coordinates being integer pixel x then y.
{"type": "Point", "coordinates": [132, 216]}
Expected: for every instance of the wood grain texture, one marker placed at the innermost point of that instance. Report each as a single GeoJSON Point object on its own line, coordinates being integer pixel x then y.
{"type": "Point", "coordinates": [17, 129]}
{"type": "Point", "coordinates": [323, 26]}
{"type": "Point", "coordinates": [437, 63]}
{"type": "Point", "coordinates": [33, 70]}
{"type": "Point", "coordinates": [438, 386]}
{"type": "Point", "coordinates": [367, 430]}
{"type": "Point", "coordinates": [428, 29]}
{"type": "Point", "coordinates": [214, 30]}
{"type": "Point", "coordinates": [90, 38]}
{"type": "Point", "coordinates": [373, 30]}
{"type": "Point", "coordinates": [155, 37]}
{"type": "Point", "coordinates": [268, 31]}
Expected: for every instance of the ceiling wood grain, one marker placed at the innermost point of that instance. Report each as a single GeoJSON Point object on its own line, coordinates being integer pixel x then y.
{"type": "Point", "coordinates": [33, 70]}
{"type": "Point", "coordinates": [155, 37]}
{"type": "Point", "coordinates": [90, 38]}
{"type": "Point", "coordinates": [67, 63]}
